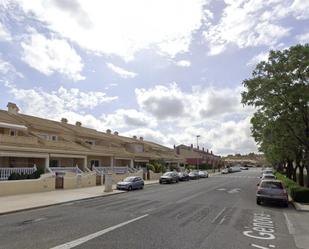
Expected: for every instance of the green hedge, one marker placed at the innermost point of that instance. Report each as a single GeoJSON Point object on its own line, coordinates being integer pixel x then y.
{"type": "Point", "coordinates": [35, 175]}
{"type": "Point", "coordinates": [298, 193]}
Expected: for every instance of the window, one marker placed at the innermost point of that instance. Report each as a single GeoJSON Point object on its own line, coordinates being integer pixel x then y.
{"type": "Point", "coordinates": [91, 142]}
{"type": "Point", "coordinates": [13, 133]}
{"type": "Point", "coordinates": [95, 163]}
{"type": "Point", "coordinates": [54, 138]}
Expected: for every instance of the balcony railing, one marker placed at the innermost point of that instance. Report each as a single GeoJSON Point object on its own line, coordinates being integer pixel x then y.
{"type": "Point", "coordinates": [18, 139]}
{"type": "Point", "coordinates": [116, 170]}
{"type": "Point", "coordinates": [66, 169]}
{"type": "Point", "coordinates": [6, 172]}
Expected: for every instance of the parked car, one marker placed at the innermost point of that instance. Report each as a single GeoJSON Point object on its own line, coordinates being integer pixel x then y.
{"type": "Point", "coordinates": [169, 177]}
{"type": "Point", "coordinates": [194, 175]}
{"type": "Point", "coordinates": [225, 171]}
{"type": "Point", "coordinates": [203, 174]}
{"type": "Point", "coordinates": [130, 183]}
{"type": "Point", "coordinates": [268, 177]}
{"type": "Point", "coordinates": [183, 176]}
{"type": "Point", "coordinates": [244, 168]}
{"type": "Point", "coordinates": [271, 191]}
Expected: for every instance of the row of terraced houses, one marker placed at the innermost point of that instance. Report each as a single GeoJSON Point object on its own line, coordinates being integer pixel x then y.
{"type": "Point", "coordinates": [74, 156]}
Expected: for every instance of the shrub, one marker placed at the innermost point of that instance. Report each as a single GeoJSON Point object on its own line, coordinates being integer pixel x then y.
{"type": "Point", "coordinates": [300, 194]}
{"type": "Point", "coordinates": [35, 175]}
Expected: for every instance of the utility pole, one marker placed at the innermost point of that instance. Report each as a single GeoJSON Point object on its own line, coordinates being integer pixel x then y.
{"type": "Point", "coordinates": [198, 153]}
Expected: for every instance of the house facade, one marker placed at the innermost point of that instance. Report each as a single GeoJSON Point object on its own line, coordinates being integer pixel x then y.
{"type": "Point", "coordinates": [74, 152]}
{"type": "Point", "coordinates": [197, 156]}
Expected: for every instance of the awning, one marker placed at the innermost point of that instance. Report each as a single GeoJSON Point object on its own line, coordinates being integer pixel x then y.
{"type": "Point", "coordinates": [67, 156]}
{"type": "Point", "coordinates": [122, 158]}
{"type": "Point", "coordinates": [141, 160]}
{"type": "Point", "coordinates": [13, 126]}
{"type": "Point", "coordinates": [22, 154]}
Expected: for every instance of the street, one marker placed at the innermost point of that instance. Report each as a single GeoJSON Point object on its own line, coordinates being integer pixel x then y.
{"type": "Point", "coordinates": [215, 213]}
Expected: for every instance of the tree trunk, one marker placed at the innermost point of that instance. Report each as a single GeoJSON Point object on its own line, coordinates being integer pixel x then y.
{"type": "Point", "coordinates": [301, 175]}
{"type": "Point", "coordinates": [307, 166]}
{"type": "Point", "coordinates": [295, 171]}
{"type": "Point", "coordinates": [289, 170]}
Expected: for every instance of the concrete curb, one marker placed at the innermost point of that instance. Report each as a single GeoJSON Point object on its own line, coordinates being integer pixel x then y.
{"type": "Point", "coordinates": [298, 206]}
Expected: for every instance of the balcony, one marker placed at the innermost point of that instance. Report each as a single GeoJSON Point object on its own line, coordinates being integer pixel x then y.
{"type": "Point", "coordinates": [20, 140]}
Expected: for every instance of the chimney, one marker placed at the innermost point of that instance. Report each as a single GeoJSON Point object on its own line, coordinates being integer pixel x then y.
{"type": "Point", "coordinates": [64, 120]}
{"type": "Point", "coordinates": [174, 146]}
{"type": "Point", "coordinates": [203, 149]}
{"type": "Point", "coordinates": [78, 123]}
{"type": "Point", "coordinates": [134, 137]}
{"type": "Point", "coordinates": [207, 151]}
{"type": "Point", "coordinates": [141, 138]}
{"type": "Point", "coordinates": [211, 152]}
{"type": "Point", "coordinates": [108, 131]}
{"type": "Point", "coordinates": [191, 146]}
{"type": "Point", "coordinates": [116, 133]}
{"type": "Point", "coordinates": [12, 108]}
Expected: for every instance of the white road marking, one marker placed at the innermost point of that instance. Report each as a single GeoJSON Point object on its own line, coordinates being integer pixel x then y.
{"type": "Point", "coordinates": [86, 238]}
{"type": "Point", "coordinates": [222, 220]}
{"type": "Point", "coordinates": [234, 191]}
{"type": "Point", "coordinates": [289, 224]}
{"type": "Point", "coordinates": [221, 212]}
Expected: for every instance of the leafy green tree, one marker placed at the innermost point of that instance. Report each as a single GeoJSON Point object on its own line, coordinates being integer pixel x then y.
{"type": "Point", "coordinates": [279, 91]}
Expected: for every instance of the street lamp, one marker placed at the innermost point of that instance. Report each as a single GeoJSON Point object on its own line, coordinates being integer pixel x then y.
{"type": "Point", "coordinates": [197, 161]}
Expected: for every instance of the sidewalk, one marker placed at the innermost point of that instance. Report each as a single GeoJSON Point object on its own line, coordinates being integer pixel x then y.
{"type": "Point", "coordinates": [16, 203]}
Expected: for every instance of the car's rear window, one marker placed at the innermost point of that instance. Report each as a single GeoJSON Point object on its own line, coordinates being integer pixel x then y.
{"type": "Point", "coordinates": [277, 185]}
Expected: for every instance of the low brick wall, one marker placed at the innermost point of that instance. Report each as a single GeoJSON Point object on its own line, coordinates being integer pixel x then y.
{"type": "Point", "coordinates": [72, 180]}
{"type": "Point", "coordinates": [14, 187]}
{"type": "Point", "coordinates": [154, 176]}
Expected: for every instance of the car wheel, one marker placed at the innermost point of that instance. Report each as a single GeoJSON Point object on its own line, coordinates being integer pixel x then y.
{"type": "Point", "coordinates": [285, 204]}
{"type": "Point", "coordinates": [129, 188]}
{"type": "Point", "coordinates": [258, 201]}
{"type": "Point", "coordinates": [142, 186]}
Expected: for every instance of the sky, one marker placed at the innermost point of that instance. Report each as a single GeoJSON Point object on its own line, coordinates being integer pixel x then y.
{"type": "Point", "coordinates": [165, 70]}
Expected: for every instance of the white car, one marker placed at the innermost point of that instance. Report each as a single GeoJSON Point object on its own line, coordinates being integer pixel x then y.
{"type": "Point", "coordinates": [225, 171]}
{"type": "Point", "coordinates": [203, 174]}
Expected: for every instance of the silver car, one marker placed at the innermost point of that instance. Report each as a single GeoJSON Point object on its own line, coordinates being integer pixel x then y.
{"type": "Point", "coordinates": [130, 183]}
{"type": "Point", "coordinates": [271, 191]}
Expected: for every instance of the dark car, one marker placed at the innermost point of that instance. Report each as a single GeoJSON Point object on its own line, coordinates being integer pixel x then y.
{"type": "Point", "coordinates": [169, 177]}
{"type": "Point", "coordinates": [271, 191]}
{"type": "Point", "coordinates": [194, 175]}
{"type": "Point", "coordinates": [183, 176]}
{"type": "Point", "coordinates": [130, 183]}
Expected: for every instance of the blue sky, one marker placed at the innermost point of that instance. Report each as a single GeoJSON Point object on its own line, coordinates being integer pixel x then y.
{"type": "Point", "coordinates": [167, 70]}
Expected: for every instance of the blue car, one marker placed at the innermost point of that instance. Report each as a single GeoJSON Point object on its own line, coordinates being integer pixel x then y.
{"type": "Point", "coordinates": [130, 183]}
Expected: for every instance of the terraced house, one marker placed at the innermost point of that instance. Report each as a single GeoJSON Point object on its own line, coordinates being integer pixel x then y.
{"type": "Point", "coordinates": [197, 156]}
{"type": "Point", "coordinates": [70, 155]}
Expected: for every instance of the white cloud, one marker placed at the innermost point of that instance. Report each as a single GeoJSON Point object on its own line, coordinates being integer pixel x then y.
{"type": "Point", "coordinates": [171, 103]}
{"type": "Point", "coordinates": [8, 70]}
{"type": "Point", "coordinates": [258, 58]}
{"type": "Point", "coordinates": [183, 63]}
{"type": "Point", "coordinates": [123, 27]}
{"type": "Point", "coordinates": [52, 55]}
{"type": "Point", "coordinates": [248, 24]}
{"type": "Point", "coordinates": [121, 72]}
{"type": "Point", "coordinates": [64, 102]}
{"type": "Point", "coordinates": [300, 9]}
{"type": "Point", "coordinates": [4, 33]}
{"type": "Point", "coordinates": [303, 38]}
{"type": "Point", "coordinates": [128, 118]}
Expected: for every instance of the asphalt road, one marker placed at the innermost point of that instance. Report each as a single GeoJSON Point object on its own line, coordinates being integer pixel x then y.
{"type": "Point", "coordinates": [215, 213]}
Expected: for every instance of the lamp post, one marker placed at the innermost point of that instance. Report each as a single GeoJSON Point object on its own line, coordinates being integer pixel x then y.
{"type": "Point", "coordinates": [197, 161]}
